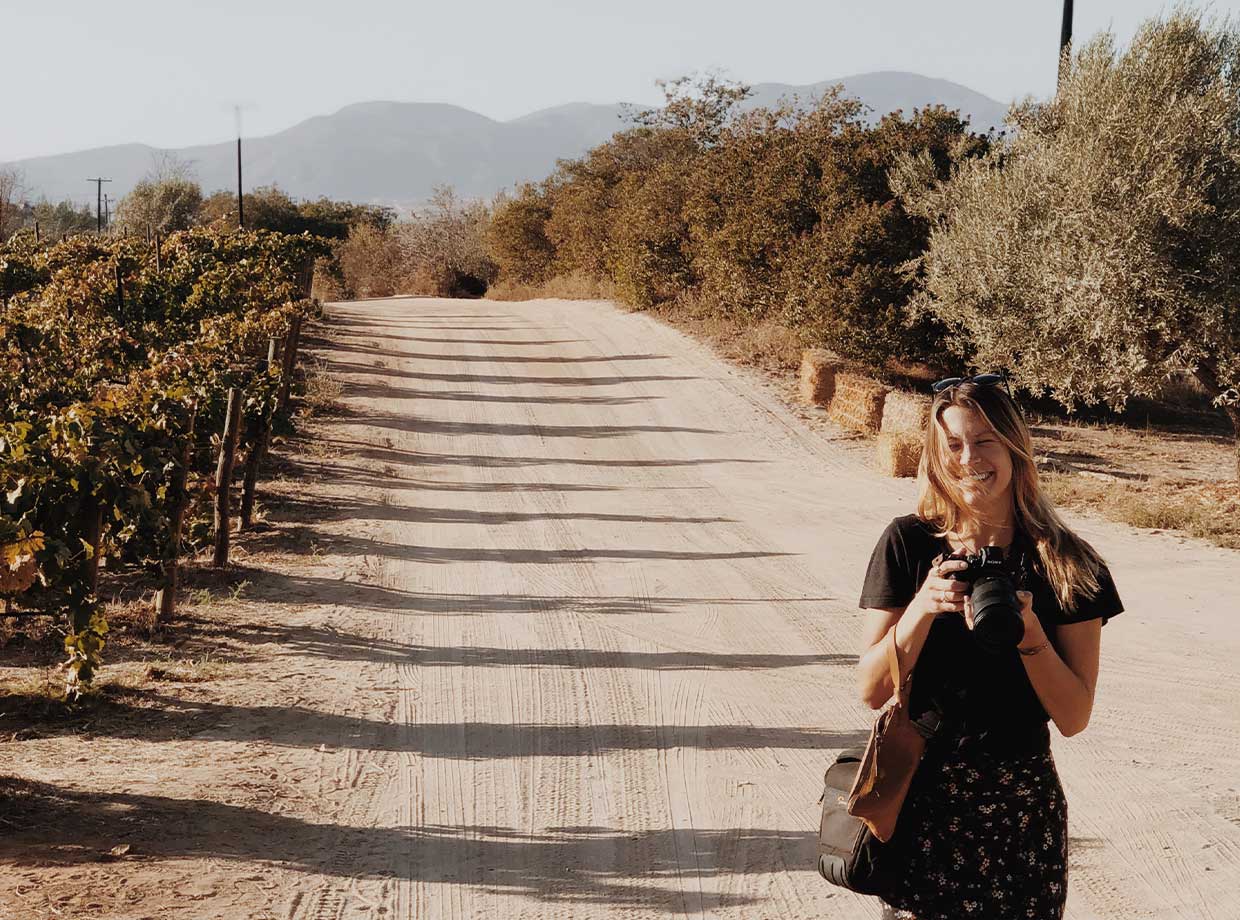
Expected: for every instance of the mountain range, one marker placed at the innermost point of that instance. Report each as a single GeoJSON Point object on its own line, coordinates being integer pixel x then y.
{"type": "Point", "coordinates": [396, 152]}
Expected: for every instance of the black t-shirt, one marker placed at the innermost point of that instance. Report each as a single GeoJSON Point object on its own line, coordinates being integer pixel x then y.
{"type": "Point", "coordinates": [976, 691]}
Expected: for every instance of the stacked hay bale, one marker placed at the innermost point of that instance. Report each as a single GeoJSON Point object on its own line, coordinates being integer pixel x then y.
{"type": "Point", "coordinates": [905, 416]}
{"type": "Point", "coordinates": [818, 369]}
{"type": "Point", "coordinates": [858, 403]}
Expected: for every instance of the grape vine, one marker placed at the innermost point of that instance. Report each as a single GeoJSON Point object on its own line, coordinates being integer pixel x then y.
{"type": "Point", "coordinates": [115, 369]}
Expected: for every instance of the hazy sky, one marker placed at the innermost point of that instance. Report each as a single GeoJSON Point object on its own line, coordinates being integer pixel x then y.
{"type": "Point", "coordinates": [86, 73]}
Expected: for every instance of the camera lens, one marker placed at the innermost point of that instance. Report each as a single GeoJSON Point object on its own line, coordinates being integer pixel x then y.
{"type": "Point", "coordinates": [997, 625]}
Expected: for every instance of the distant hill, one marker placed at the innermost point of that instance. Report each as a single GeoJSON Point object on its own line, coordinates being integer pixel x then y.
{"type": "Point", "coordinates": [396, 152]}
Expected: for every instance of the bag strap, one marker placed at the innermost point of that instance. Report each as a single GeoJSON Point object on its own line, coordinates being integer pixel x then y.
{"type": "Point", "coordinates": [900, 689]}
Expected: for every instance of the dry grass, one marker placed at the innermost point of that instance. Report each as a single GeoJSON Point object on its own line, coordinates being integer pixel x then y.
{"type": "Point", "coordinates": [575, 286]}
{"type": "Point", "coordinates": [1208, 511]}
{"type": "Point", "coordinates": [322, 391]}
{"type": "Point", "coordinates": [764, 344]}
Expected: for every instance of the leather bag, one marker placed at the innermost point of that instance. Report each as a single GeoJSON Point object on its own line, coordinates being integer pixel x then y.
{"type": "Point", "coordinates": [848, 854]}
{"type": "Point", "coordinates": [891, 757]}
{"type": "Point", "coordinates": [864, 790]}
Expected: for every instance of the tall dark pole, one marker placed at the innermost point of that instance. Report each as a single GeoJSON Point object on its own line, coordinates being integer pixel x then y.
{"type": "Point", "coordinates": [99, 202]}
{"type": "Point", "coordinates": [1065, 38]}
{"type": "Point", "coordinates": [240, 197]}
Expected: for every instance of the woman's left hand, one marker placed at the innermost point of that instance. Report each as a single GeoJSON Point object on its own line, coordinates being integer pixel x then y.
{"type": "Point", "coordinates": [1034, 633]}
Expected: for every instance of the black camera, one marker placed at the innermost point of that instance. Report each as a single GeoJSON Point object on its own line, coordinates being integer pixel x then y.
{"type": "Point", "coordinates": [997, 624]}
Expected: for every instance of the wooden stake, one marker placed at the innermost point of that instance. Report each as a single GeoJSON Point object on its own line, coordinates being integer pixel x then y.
{"type": "Point", "coordinates": [290, 362]}
{"type": "Point", "coordinates": [223, 478]}
{"type": "Point", "coordinates": [260, 436]}
{"type": "Point", "coordinates": [92, 533]}
{"type": "Point", "coordinates": [166, 597]}
{"type": "Point", "coordinates": [159, 262]}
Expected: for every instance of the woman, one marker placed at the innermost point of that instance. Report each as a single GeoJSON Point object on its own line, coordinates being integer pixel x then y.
{"type": "Point", "coordinates": [983, 832]}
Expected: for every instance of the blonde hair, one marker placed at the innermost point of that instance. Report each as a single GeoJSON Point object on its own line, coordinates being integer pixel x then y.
{"type": "Point", "coordinates": [1070, 564]}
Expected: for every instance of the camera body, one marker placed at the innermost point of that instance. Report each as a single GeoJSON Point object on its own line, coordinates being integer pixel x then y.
{"type": "Point", "coordinates": [997, 623]}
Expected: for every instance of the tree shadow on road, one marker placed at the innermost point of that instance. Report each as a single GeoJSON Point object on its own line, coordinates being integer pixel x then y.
{"type": "Point", "coordinates": [339, 544]}
{"type": "Point", "coordinates": [396, 455]}
{"type": "Point", "coordinates": [337, 508]}
{"type": "Point", "coordinates": [151, 716]}
{"type": "Point", "coordinates": [365, 348]}
{"type": "Point", "coordinates": [58, 826]}
{"type": "Point", "coordinates": [336, 645]}
{"type": "Point", "coordinates": [344, 367]}
{"type": "Point", "coordinates": [355, 390]}
{"type": "Point", "coordinates": [422, 425]}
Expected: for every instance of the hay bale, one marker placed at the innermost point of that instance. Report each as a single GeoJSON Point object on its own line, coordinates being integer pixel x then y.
{"type": "Point", "coordinates": [858, 403]}
{"type": "Point", "coordinates": [899, 452]}
{"type": "Point", "coordinates": [818, 368]}
{"type": "Point", "coordinates": [905, 411]}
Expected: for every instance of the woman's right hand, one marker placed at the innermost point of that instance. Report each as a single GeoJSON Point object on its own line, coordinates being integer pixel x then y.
{"type": "Point", "coordinates": [940, 593]}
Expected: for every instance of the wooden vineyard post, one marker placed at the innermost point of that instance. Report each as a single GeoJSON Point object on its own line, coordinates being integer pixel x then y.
{"type": "Point", "coordinates": [166, 597]}
{"type": "Point", "coordinates": [290, 362]}
{"type": "Point", "coordinates": [260, 435]}
{"type": "Point", "coordinates": [92, 528]}
{"type": "Point", "coordinates": [159, 263]}
{"type": "Point", "coordinates": [223, 477]}
{"type": "Point", "coordinates": [120, 289]}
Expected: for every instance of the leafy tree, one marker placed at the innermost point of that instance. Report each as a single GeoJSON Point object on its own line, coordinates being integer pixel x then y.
{"type": "Point", "coordinates": [1097, 252]}
{"type": "Point", "coordinates": [844, 281]}
{"type": "Point", "coordinates": [699, 106]}
{"type": "Point", "coordinates": [63, 218]}
{"type": "Point", "coordinates": [516, 236]}
{"type": "Point", "coordinates": [10, 206]}
{"type": "Point", "coordinates": [161, 205]}
{"type": "Point", "coordinates": [333, 219]}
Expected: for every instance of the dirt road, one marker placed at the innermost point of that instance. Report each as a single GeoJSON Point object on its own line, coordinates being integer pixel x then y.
{"type": "Point", "coordinates": [631, 623]}
{"type": "Point", "coordinates": [601, 613]}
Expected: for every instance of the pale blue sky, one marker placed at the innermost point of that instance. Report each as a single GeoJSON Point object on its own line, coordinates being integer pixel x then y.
{"type": "Point", "coordinates": [86, 73]}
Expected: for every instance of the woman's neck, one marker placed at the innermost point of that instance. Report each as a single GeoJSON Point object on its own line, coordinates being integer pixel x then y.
{"type": "Point", "coordinates": [973, 534]}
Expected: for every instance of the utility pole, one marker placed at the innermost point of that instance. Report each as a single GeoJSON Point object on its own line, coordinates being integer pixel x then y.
{"type": "Point", "coordinates": [240, 198]}
{"type": "Point", "coordinates": [99, 202]}
{"type": "Point", "coordinates": [1065, 39]}
{"type": "Point", "coordinates": [107, 210]}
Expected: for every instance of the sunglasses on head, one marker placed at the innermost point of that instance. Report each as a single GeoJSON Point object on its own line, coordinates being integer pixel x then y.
{"type": "Point", "coordinates": [984, 380]}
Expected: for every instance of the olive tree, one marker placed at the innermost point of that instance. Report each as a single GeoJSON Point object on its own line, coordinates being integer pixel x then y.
{"type": "Point", "coordinates": [1096, 253]}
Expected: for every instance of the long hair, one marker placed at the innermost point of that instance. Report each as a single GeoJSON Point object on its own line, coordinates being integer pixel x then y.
{"type": "Point", "coordinates": [1069, 563]}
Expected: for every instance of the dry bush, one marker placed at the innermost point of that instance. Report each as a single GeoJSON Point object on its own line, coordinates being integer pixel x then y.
{"type": "Point", "coordinates": [573, 286]}
{"type": "Point", "coordinates": [514, 290]}
{"type": "Point", "coordinates": [444, 250]}
{"type": "Point", "coordinates": [370, 262]}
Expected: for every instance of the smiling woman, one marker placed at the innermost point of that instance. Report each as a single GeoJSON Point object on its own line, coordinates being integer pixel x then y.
{"type": "Point", "coordinates": [984, 828]}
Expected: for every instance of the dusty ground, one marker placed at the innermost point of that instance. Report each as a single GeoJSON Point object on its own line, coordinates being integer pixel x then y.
{"type": "Point", "coordinates": [558, 621]}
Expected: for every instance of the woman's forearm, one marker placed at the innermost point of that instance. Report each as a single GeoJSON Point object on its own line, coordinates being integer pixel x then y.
{"type": "Point", "coordinates": [873, 672]}
{"type": "Point", "coordinates": [1066, 698]}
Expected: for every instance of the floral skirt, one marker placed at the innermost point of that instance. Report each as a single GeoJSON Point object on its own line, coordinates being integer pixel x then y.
{"type": "Point", "coordinates": [982, 836]}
